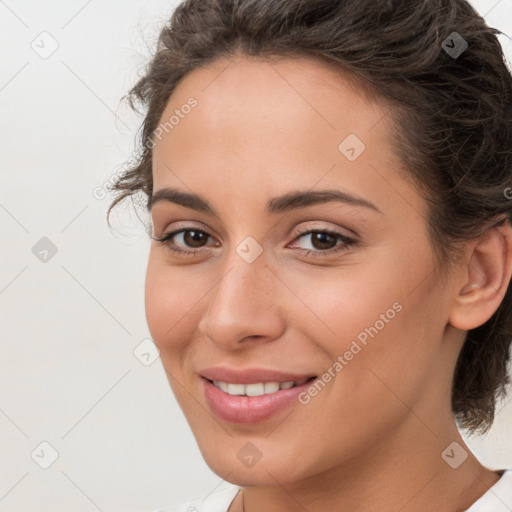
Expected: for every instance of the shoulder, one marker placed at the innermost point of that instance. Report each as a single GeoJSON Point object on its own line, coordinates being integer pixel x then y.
{"type": "Point", "coordinates": [498, 498]}
{"type": "Point", "coordinates": [217, 501]}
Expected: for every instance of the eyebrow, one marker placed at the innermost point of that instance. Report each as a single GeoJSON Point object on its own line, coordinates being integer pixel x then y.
{"type": "Point", "coordinates": [280, 204]}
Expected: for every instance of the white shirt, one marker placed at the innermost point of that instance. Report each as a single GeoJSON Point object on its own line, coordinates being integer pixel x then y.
{"type": "Point", "coordinates": [497, 499]}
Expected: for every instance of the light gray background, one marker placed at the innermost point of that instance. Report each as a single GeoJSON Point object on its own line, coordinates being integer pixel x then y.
{"type": "Point", "coordinates": [69, 376]}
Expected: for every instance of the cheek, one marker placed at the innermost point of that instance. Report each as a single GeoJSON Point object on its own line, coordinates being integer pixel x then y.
{"type": "Point", "coordinates": [169, 303]}
{"type": "Point", "coordinates": [171, 318]}
{"type": "Point", "coordinates": [382, 315]}
{"type": "Point", "coordinates": [340, 304]}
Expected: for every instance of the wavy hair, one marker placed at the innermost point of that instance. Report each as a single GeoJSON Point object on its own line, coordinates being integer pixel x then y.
{"type": "Point", "coordinates": [451, 117]}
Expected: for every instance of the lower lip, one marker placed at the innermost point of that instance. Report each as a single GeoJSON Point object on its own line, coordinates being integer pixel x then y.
{"type": "Point", "coordinates": [250, 409]}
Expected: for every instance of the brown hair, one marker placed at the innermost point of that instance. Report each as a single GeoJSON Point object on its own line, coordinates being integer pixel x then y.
{"type": "Point", "coordinates": [452, 120]}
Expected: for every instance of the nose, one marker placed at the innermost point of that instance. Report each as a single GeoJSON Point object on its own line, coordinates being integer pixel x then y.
{"type": "Point", "coordinates": [243, 305]}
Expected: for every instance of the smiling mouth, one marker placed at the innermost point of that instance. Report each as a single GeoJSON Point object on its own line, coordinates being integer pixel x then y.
{"type": "Point", "coordinates": [257, 388]}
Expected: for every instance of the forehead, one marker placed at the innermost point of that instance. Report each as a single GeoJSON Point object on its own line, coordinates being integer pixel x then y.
{"type": "Point", "coordinates": [265, 126]}
{"type": "Point", "coordinates": [299, 86]}
{"type": "Point", "coordinates": [252, 100]}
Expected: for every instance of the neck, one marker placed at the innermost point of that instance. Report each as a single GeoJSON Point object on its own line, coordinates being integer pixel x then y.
{"type": "Point", "coordinates": [406, 473]}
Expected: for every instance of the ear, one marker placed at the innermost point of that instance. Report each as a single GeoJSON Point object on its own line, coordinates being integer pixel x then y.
{"type": "Point", "coordinates": [486, 275]}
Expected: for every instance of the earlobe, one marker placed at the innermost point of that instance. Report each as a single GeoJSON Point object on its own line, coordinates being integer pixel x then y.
{"type": "Point", "coordinates": [486, 278]}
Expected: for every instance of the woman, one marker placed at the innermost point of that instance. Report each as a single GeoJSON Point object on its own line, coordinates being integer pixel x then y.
{"type": "Point", "coordinates": [328, 279]}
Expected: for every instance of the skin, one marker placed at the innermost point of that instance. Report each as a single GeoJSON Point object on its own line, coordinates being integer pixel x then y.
{"type": "Point", "coordinates": [372, 438]}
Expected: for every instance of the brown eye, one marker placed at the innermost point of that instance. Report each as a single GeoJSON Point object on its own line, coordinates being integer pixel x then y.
{"type": "Point", "coordinates": [193, 238]}
{"type": "Point", "coordinates": [187, 242]}
{"type": "Point", "coordinates": [323, 241]}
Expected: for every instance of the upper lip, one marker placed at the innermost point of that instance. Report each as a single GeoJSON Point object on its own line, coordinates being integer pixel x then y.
{"type": "Point", "coordinates": [251, 375]}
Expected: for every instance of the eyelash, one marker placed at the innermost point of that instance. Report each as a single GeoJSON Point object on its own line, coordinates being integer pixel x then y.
{"type": "Point", "coordinates": [345, 245]}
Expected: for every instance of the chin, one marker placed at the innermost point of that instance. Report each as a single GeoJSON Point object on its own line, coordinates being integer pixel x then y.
{"type": "Point", "coordinates": [232, 462]}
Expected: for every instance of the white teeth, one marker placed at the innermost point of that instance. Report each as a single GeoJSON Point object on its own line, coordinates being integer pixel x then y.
{"type": "Point", "coordinates": [221, 385]}
{"type": "Point", "coordinates": [257, 389]}
{"type": "Point", "coordinates": [271, 387]}
{"type": "Point", "coordinates": [236, 389]}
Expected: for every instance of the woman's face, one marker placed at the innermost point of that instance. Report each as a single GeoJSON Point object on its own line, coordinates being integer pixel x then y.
{"type": "Point", "coordinates": [263, 287]}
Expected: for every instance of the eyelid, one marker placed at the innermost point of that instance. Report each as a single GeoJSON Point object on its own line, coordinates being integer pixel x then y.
{"type": "Point", "coordinates": [346, 235]}
{"type": "Point", "coordinates": [308, 227]}
{"type": "Point", "coordinates": [166, 237]}
{"type": "Point", "coordinates": [346, 240]}
{"type": "Point", "coordinates": [182, 225]}
{"type": "Point", "coordinates": [298, 234]}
